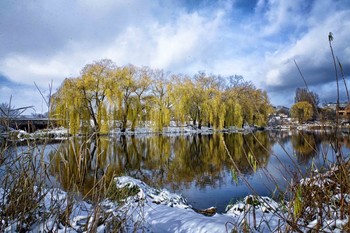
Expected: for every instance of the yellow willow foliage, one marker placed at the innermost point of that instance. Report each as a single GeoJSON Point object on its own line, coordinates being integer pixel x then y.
{"type": "Point", "coordinates": [218, 112]}
{"type": "Point", "coordinates": [83, 99]}
{"type": "Point", "coordinates": [160, 118]}
{"type": "Point", "coordinates": [235, 144]}
{"type": "Point", "coordinates": [105, 95]}
{"type": "Point", "coordinates": [229, 109]}
{"type": "Point", "coordinates": [237, 115]}
{"type": "Point", "coordinates": [303, 111]}
{"type": "Point", "coordinates": [102, 145]}
{"type": "Point", "coordinates": [233, 114]}
{"type": "Point", "coordinates": [133, 116]}
{"type": "Point", "coordinates": [103, 119]}
{"type": "Point", "coordinates": [124, 91]}
{"type": "Point", "coordinates": [73, 122]}
{"type": "Point", "coordinates": [58, 112]}
{"type": "Point", "coordinates": [181, 97]}
{"type": "Point", "coordinates": [66, 105]}
{"type": "Point", "coordinates": [221, 116]}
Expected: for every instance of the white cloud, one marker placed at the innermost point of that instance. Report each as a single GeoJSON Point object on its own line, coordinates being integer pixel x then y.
{"type": "Point", "coordinates": [27, 70]}
{"type": "Point", "coordinates": [187, 37]}
{"type": "Point", "coordinates": [282, 14]}
{"type": "Point", "coordinates": [216, 38]}
{"type": "Point", "coordinates": [312, 53]}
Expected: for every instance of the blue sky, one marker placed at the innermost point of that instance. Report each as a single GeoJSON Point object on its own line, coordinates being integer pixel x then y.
{"type": "Point", "coordinates": [44, 40]}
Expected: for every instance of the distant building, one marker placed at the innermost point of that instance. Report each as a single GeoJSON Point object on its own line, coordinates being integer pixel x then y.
{"type": "Point", "coordinates": [344, 108]}
{"type": "Point", "coordinates": [334, 105]}
{"type": "Point", "coordinates": [280, 116]}
{"type": "Point", "coordinates": [282, 110]}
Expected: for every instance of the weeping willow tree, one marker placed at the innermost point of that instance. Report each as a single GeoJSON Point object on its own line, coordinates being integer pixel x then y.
{"type": "Point", "coordinates": [245, 104]}
{"type": "Point", "coordinates": [122, 86]}
{"type": "Point", "coordinates": [127, 91]}
{"type": "Point", "coordinates": [180, 95]}
{"type": "Point", "coordinates": [160, 101]}
{"type": "Point", "coordinates": [216, 109]}
{"type": "Point", "coordinates": [200, 100]}
{"type": "Point", "coordinates": [105, 95]}
{"type": "Point", "coordinates": [302, 111]}
{"type": "Point", "coordinates": [93, 86]}
{"type": "Point", "coordinates": [143, 81]}
{"type": "Point", "coordinates": [67, 106]}
{"type": "Point", "coordinates": [233, 113]}
{"type": "Point", "coordinates": [80, 103]}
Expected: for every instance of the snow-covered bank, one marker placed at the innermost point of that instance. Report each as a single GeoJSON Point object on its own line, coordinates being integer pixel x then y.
{"type": "Point", "coordinates": [182, 130]}
{"type": "Point", "coordinates": [153, 210]}
{"type": "Point", "coordinates": [329, 209]}
{"type": "Point", "coordinates": [57, 133]}
{"type": "Point", "coordinates": [150, 210]}
{"type": "Point", "coordinates": [162, 211]}
{"type": "Point", "coordinates": [63, 133]}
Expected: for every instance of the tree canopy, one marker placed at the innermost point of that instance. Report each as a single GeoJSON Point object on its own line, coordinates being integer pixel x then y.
{"type": "Point", "coordinates": [302, 111]}
{"type": "Point", "coordinates": [303, 94]}
{"type": "Point", "coordinates": [106, 96]}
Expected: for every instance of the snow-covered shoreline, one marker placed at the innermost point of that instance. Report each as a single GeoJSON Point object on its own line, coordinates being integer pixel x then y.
{"type": "Point", "coordinates": [154, 210]}
{"type": "Point", "coordinates": [150, 210]}
{"type": "Point", "coordinates": [63, 133]}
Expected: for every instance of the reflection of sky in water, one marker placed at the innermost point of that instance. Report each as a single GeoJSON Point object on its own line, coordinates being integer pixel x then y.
{"type": "Point", "coordinates": [14, 153]}
{"type": "Point", "coordinates": [198, 166]}
{"type": "Point", "coordinates": [280, 169]}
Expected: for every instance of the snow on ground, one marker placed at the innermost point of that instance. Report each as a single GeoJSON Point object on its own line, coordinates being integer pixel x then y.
{"type": "Point", "coordinates": [166, 130]}
{"type": "Point", "coordinates": [176, 130]}
{"type": "Point", "coordinates": [328, 213]}
{"type": "Point", "coordinates": [57, 133]}
{"type": "Point", "coordinates": [150, 210]}
{"type": "Point", "coordinates": [62, 133]}
{"type": "Point", "coordinates": [153, 210]}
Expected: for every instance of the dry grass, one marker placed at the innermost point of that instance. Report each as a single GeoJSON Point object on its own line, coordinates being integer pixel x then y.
{"type": "Point", "coordinates": [25, 190]}
{"type": "Point", "coordinates": [321, 199]}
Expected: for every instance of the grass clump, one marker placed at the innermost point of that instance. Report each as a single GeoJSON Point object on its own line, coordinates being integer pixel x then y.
{"type": "Point", "coordinates": [21, 188]}
{"type": "Point", "coordinates": [322, 202]}
{"type": "Point", "coordinates": [120, 194]}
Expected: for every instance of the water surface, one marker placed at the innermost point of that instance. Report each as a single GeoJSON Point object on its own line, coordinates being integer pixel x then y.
{"type": "Point", "coordinates": [209, 170]}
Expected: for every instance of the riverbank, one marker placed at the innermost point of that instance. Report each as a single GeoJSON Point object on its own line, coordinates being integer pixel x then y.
{"type": "Point", "coordinates": [318, 203]}
{"type": "Point", "coordinates": [63, 133]}
{"type": "Point", "coordinates": [146, 209]}
{"type": "Point", "coordinates": [149, 210]}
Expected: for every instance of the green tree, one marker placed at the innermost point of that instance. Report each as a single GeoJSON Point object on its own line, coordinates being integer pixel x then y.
{"type": "Point", "coordinates": [67, 106]}
{"type": "Point", "coordinates": [302, 111]}
{"type": "Point", "coordinates": [205, 100]}
{"type": "Point", "coordinates": [143, 81]}
{"type": "Point", "coordinates": [93, 86]}
{"type": "Point", "coordinates": [160, 101]}
{"type": "Point", "coordinates": [81, 103]}
{"type": "Point", "coordinates": [121, 89]}
{"type": "Point", "coordinates": [245, 104]}
{"type": "Point", "coordinates": [180, 96]}
{"type": "Point", "coordinates": [303, 94]}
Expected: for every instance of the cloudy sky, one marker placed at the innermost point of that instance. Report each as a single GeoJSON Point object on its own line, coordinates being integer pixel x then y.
{"type": "Point", "coordinates": [44, 40]}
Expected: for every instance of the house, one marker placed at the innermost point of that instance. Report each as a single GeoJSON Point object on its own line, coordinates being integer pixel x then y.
{"type": "Point", "coordinates": [344, 108]}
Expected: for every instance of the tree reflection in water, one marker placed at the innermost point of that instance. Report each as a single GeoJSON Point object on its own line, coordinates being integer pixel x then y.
{"type": "Point", "coordinates": [181, 162]}
{"type": "Point", "coordinates": [306, 146]}
{"type": "Point", "coordinates": [163, 161]}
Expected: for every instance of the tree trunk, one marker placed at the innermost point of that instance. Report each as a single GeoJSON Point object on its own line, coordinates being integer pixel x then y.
{"type": "Point", "coordinates": [124, 122]}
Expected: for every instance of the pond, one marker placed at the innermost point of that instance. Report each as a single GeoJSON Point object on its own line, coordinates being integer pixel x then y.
{"type": "Point", "coordinates": [208, 170]}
